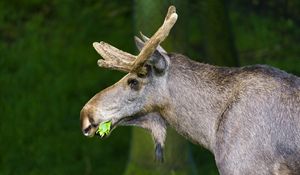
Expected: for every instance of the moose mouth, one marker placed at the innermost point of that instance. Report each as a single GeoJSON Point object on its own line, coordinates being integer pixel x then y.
{"type": "Point", "coordinates": [121, 122]}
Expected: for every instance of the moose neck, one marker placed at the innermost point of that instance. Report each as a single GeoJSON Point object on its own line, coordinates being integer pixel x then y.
{"type": "Point", "coordinates": [197, 99]}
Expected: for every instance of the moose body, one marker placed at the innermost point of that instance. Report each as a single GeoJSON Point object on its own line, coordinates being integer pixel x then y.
{"type": "Point", "coordinates": [248, 117]}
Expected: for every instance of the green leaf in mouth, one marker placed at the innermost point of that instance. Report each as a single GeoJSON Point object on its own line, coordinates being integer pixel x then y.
{"type": "Point", "coordinates": [104, 128]}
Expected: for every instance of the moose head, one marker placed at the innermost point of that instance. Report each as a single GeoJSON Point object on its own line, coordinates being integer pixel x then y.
{"type": "Point", "coordinates": [139, 96]}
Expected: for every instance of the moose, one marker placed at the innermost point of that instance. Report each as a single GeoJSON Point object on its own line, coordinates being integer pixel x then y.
{"type": "Point", "coordinates": [248, 117]}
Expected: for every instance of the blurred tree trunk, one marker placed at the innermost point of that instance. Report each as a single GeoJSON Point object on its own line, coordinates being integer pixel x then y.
{"type": "Point", "coordinates": [220, 48]}
{"type": "Point", "coordinates": [149, 15]}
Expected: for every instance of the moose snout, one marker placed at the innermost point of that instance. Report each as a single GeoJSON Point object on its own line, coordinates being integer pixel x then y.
{"type": "Point", "coordinates": [88, 125]}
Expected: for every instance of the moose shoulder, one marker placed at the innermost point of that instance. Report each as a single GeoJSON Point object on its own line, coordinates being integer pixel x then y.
{"type": "Point", "coordinates": [248, 117]}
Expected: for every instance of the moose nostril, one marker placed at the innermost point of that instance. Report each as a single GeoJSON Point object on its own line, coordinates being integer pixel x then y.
{"type": "Point", "coordinates": [87, 130]}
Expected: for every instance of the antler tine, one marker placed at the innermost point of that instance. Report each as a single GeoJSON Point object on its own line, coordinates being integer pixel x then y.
{"type": "Point", "coordinates": [144, 38]}
{"type": "Point", "coordinates": [113, 57]}
{"type": "Point", "coordinates": [156, 39]}
{"type": "Point", "coordinates": [108, 51]}
{"type": "Point", "coordinates": [113, 65]}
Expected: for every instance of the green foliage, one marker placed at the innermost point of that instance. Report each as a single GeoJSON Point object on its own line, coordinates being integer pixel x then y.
{"type": "Point", "coordinates": [104, 128]}
{"type": "Point", "coordinates": [136, 169]}
{"type": "Point", "coordinates": [48, 72]}
{"type": "Point", "coordinates": [263, 39]}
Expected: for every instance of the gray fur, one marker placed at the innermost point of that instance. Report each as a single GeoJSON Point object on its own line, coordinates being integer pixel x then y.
{"type": "Point", "coordinates": [248, 117]}
{"type": "Point", "coordinates": [156, 125]}
{"type": "Point", "coordinates": [157, 59]}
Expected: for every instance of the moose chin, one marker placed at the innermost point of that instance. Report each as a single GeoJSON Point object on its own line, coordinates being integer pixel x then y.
{"type": "Point", "coordinates": [248, 117]}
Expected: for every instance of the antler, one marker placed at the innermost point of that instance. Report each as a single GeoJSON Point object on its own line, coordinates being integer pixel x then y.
{"type": "Point", "coordinates": [120, 60]}
{"type": "Point", "coordinates": [113, 57]}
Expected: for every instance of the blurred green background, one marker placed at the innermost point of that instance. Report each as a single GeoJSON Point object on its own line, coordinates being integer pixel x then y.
{"type": "Point", "coordinates": [48, 71]}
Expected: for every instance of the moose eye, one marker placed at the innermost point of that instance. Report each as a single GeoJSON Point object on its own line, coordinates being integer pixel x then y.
{"type": "Point", "coordinates": [133, 83]}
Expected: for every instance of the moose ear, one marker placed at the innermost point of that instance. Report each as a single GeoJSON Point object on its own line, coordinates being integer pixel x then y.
{"type": "Point", "coordinates": [158, 58]}
{"type": "Point", "coordinates": [158, 62]}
